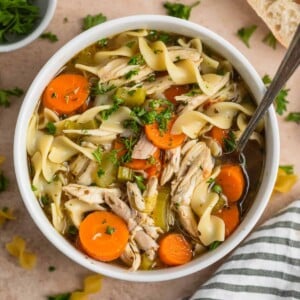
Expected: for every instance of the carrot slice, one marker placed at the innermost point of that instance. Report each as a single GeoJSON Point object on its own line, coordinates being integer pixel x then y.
{"type": "Point", "coordinates": [164, 139]}
{"type": "Point", "coordinates": [219, 135]}
{"type": "Point", "coordinates": [175, 90]}
{"type": "Point", "coordinates": [103, 235]}
{"type": "Point", "coordinates": [232, 181]}
{"type": "Point", "coordinates": [174, 250]}
{"type": "Point", "coordinates": [231, 217]}
{"type": "Point", "coordinates": [66, 93]}
{"type": "Point", "coordinates": [142, 164]}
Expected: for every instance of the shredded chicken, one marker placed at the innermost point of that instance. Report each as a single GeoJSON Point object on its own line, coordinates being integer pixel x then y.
{"type": "Point", "coordinates": [191, 102]}
{"type": "Point", "coordinates": [143, 148]}
{"type": "Point", "coordinates": [172, 162]}
{"type": "Point", "coordinates": [135, 196]}
{"type": "Point", "coordinates": [131, 256]}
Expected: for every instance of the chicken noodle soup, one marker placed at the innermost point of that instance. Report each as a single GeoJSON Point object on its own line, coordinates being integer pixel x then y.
{"type": "Point", "coordinates": [125, 150]}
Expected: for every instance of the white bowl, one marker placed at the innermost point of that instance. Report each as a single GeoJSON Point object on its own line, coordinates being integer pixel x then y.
{"type": "Point", "coordinates": [85, 39]}
{"type": "Point", "coordinates": [47, 9]}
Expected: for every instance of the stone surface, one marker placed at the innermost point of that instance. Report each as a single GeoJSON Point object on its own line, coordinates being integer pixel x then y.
{"type": "Point", "coordinates": [19, 68]}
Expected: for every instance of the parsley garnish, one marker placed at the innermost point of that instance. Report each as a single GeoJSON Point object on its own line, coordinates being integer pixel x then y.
{"type": "Point", "coordinates": [151, 78]}
{"type": "Point", "coordinates": [179, 10]}
{"type": "Point", "coordinates": [217, 188]}
{"type": "Point", "coordinates": [49, 36]}
{"type": "Point", "coordinates": [66, 20]}
{"type": "Point", "coordinates": [91, 21]}
{"type": "Point", "coordinates": [72, 230]}
{"type": "Point", "coordinates": [288, 169]}
{"type": "Point", "coordinates": [45, 200]}
{"type": "Point", "coordinates": [98, 155]}
{"type": "Point", "coordinates": [4, 95]}
{"type": "Point", "coordinates": [50, 128]}
{"type": "Point", "coordinates": [100, 172]}
{"type": "Point", "coordinates": [105, 114]}
{"type": "Point", "coordinates": [100, 89]}
{"type": "Point", "coordinates": [103, 42]}
{"type": "Point", "coordinates": [137, 60]}
{"type": "Point", "coordinates": [140, 181]}
{"type": "Point", "coordinates": [65, 296]}
{"type": "Point", "coordinates": [129, 144]}
{"type": "Point", "coordinates": [131, 73]}
{"type": "Point", "coordinates": [230, 142]}
{"type": "Point", "coordinates": [3, 182]}
{"type": "Point", "coordinates": [280, 100]}
{"type": "Point", "coordinates": [17, 17]}
{"type": "Point", "coordinates": [293, 117]}
{"type": "Point", "coordinates": [33, 188]}
{"type": "Point", "coordinates": [110, 230]}
{"type": "Point", "coordinates": [245, 33]}
{"type": "Point", "coordinates": [214, 245]}
{"type": "Point", "coordinates": [133, 125]}
{"type": "Point", "coordinates": [270, 40]}
{"type": "Point", "coordinates": [113, 156]}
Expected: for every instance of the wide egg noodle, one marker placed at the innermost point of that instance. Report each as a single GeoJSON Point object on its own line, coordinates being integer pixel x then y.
{"type": "Point", "coordinates": [6, 215]}
{"type": "Point", "coordinates": [47, 116]}
{"type": "Point", "coordinates": [284, 182]}
{"type": "Point", "coordinates": [210, 227]}
{"type": "Point", "coordinates": [32, 135]}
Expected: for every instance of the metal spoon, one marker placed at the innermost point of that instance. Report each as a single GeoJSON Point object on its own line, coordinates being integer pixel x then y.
{"type": "Point", "coordinates": [287, 67]}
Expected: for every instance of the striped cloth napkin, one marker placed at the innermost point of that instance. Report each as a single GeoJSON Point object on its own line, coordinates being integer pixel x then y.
{"type": "Point", "coordinates": [265, 266]}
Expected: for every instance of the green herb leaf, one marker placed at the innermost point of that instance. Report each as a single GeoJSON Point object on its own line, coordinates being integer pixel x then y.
{"type": "Point", "coordinates": [245, 34]}
{"type": "Point", "coordinates": [103, 42]}
{"type": "Point", "coordinates": [51, 268]}
{"type": "Point", "coordinates": [72, 230]}
{"type": "Point", "coordinates": [113, 157]}
{"type": "Point", "coordinates": [50, 128]}
{"type": "Point", "coordinates": [230, 142]}
{"type": "Point", "coordinates": [45, 200]}
{"type": "Point", "coordinates": [214, 245]}
{"type": "Point", "coordinates": [137, 60]}
{"type": "Point", "coordinates": [66, 20]}
{"type": "Point", "coordinates": [131, 73]}
{"type": "Point", "coordinates": [210, 180]}
{"type": "Point", "coordinates": [130, 44]}
{"type": "Point", "coordinates": [217, 188]}
{"type": "Point", "coordinates": [100, 172]}
{"type": "Point", "coordinates": [288, 169]}
{"type": "Point", "coordinates": [110, 230]}
{"type": "Point", "coordinates": [5, 94]}
{"type": "Point", "coordinates": [179, 10]}
{"type": "Point", "coordinates": [49, 36]}
{"type": "Point", "coordinates": [91, 21]}
{"type": "Point", "coordinates": [266, 79]}
{"type": "Point", "coordinates": [3, 182]}
{"type": "Point", "coordinates": [293, 117]}
{"type": "Point", "coordinates": [270, 40]}
{"type": "Point", "coordinates": [133, 125]}
{"type": "Point", "coordinates": [100, 89]}
{"type": "Point", "coordinates": [140, 181]}
{"type": "Point", "coordinates": [98, 155]}
{"type": "Point", "coordinates": [129, 145]}
{"type": "Point", "coordinates": [65, 296]}
{"type": "Point", "coordinates": [33, 188]}
{"type": "Point", "coordinates": [17, 17]}
{"type": "Point", "coordinates": [105, 114]}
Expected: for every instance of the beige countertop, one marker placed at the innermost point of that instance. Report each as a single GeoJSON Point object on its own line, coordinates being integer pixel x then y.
{"type": "Point", "coordinates": [19, 68]}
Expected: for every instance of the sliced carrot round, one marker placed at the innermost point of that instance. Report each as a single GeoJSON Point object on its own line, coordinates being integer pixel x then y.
{"type": "Point", "coordinates": [103, 235]}
{"type": "Point", "coordinates": [66, 93]}
{"type": "Point", "coordinates": [164, 139]}
{"type": "Point", "coordinates": [231, 217]}
{"type": "Point", "coordinates": [232, 181]}
{"type": "Point", "coordinates": [219, 135]}
{"type": "Point", "coordinates": [174, 250]}
{"type": "Point", "coordinates": [175, 90]}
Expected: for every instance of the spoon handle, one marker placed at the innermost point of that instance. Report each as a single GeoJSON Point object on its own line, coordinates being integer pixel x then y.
{"type": "Point", "coordinates": [287, 67]}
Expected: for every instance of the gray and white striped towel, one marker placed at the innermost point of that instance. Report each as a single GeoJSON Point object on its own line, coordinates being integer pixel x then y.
{"type": "Point", "coordinates": [265, 266]}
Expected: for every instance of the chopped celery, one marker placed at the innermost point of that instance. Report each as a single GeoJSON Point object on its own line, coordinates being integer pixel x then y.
{"type": "Point", "coordinates": [146, 263]}
{"type": "Point", "coordinates": [125, 174]}
{"type": "Point", "coordinates": [219, 205]}
{"type": "Point", "coordinates": [106, 173]}
{"type": "Point", "coordinates": [92, 124]}
{"type": "Point", "coordinates": [160, 212]}
{"type": "Point", "coordinates": [150, 203]}
{"type": "Point", "coordinates": [133, 97]}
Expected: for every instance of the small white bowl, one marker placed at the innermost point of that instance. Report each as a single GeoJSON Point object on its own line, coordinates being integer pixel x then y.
{"type": "Point", "coordinates": [47, 9]}
{"type": "Point", "coordinates": [85, 39]}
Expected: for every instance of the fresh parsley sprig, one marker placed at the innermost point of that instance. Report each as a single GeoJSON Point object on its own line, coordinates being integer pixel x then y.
{"type": "Point", "coordinates": [5, 94]}
{"type": "Point", "coordinates": [270, 40]}
{"type": "Point", "coordinates": [179, 10]}
{"type": "Point", "coordinates": [91, 21]}
{"type": "Point", "coordinates": [293, 117]}
{"type": "Point", "coordinates": [245, 34]}
{"type": "Point", "coordinates": [49, 36]}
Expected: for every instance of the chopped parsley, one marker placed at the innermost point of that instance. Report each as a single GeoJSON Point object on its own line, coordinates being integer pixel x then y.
{"type": "Point", "coordinates": [140, 181]}
{"type": "Point", "coordinates": [113, 156]}
{"type": "Point", "coordinates": [5, 94]}
{"type": "Point", "coordinates": [100, 172]}
{"type": "Point", "coordinates": [45, 200]}
{"type": "Point", "coordinates": [288, 169]}
{"type": "Point", "coordinates": [214, 245]}
{"type": "Point", "coordinates": [280, 100]}
{"type": "Point", "coordinates": [131, 73]}
{"type": "Point", "coordinates": [98, 155]}
{"type": "Point", "coordinates": [33, 188]}
{"type": "Point", "coordinates": [49, 36]}
{"type": "Point", "coordinates": [50, 128]}
{"type": "Point", "coordinates": [151, 78]}
{"type": "Point", "coordinates": [91, 21]}
{"type": "Point", "coordinates": [72, 230]}
{"type": "Point", "coordinates": [130, 44]}
{"type": "Point", "coordinates": [100, 89]}
{"type": "Point", "coordinates": [217, 188]}
{"type": "Point", "coordinates": [65, 20]}
{"type": "Point", "coordinates": [17, 17]}
{"type": "Point", "coordinates": [245, 34]}
{"type": "Point", "coordinates": [105, 114]}
{"type": "Point", "coordinates": [3, 182]}
{"type": "Point", "coordinates": [270, 40]}
{"type": "Point", "coordinates": [129, 144]}
{"type": "Point", "coordinates": [64, 296]}
{"type": "Point", "coordinates": [51, 268]}
{"type": "Point", "coordinates": [133, 125]}
{"type": "Point", "coordinates": [137, 60]}
{"type": "Point", "coordinates": [179, 10]}
{"type": "Point", "coordinates": [293, 117]}
{"type": "Point", "coordinates": [230, 142]}
{"type": "Point", "coordinates": [103, 42]}
{"type": "Point", "coordinates": [110, 230]}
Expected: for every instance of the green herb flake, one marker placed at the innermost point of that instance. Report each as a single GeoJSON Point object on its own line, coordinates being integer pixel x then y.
{"type": "Point", "coordinates": [91, 21]}
{"type": "Point", "coordinates": [98, 155]}
{"type": "Point", "coordinates": [33, 188]}
{"type": "Point", "coordinates": [151, 160]}
{"type": "Point", "coordinates": [51, 268]}
{"type": "Point", "coordinates": [113, 157]}
{"type": "Point", "coordinates": [217, 188]}
{"type": "Point", "coordinates": [293, 117]}
{"type": "Point", "coordinates": [151, 78]}
{"type": "Point", "coordinates": [103, 42]}
{"type": "Point", "coordinates": [214, 245]}
{"type": "Point", "coordinates": [230, 142]}
{"type": "Point", "coordinates": [100, 172]}
{"type": "Point", "coordinates": [105, 114]}
{"type": "Point", "coordinates": [45, 200]}
{"type": "Point", "coordinates": [137, 59]}
{"type": "Point", "coordinates": [5, 94]}
{"type": "Point", "coordinates": [17, 18]}
{"type": "Point", "coordinates": [179, 10]}
{"type": "Point", "coordinates": [50, 128]}
{"type": "Point", "coordinates": [245, 34]}
{"type": "Point", "coordinates": [131, 73]}
{"type": "Point", "coordinates": [101, 89]}
{"type": "Point", "coordinates": [133, 125]}
{"type": "Point", "coordinates": [140, 181]}
{"type": "Point", "coordinates": [130, 44]}
{"type": "Point", "coordinates": [72, 230]}
{"type": "Point", "coordinates": [266, 79]}
{"type": "Point", "coordinates": [288, 169]}
{"type": "Point", "coordinates": [129, 144]}
{"type": "Point", "coordinates": [65, 20]}
{"type": "Point", "coordinates": [270, 40]}
{"type": "Point", "coordinates": [110, 230]}
{"type": "Point", "coordinates": [3, 182]}
{"type": "Point", "coordinates": [65, 296]}
{"type": "Point", "coordinates": [210, 180]}
{"type": "Point", "coordinates": [49, 36]}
